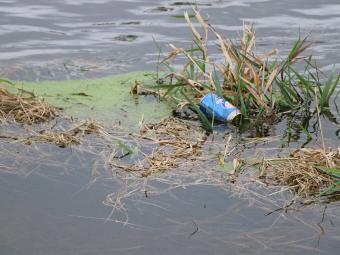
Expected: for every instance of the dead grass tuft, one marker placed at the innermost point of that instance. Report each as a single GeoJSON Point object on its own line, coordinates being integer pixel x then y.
{"type": "Point", "coordinates": [26, 108]}
{"type": "Point", "coordinates": [69, 137]}
{"type": "Point", "coordinates": [305, 171]}
{"type": "Point", "coordinates": [176, 142]}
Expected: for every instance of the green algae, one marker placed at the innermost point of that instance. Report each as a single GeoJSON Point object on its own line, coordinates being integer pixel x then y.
{"type": "Point", "coordinates": [105, 99]}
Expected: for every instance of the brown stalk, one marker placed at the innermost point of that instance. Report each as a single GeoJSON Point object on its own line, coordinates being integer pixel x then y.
{"type": "Point", "coordinates": [176, 142]}
{"type": "Point", "coordinates": [300, 171]}
{"type": "Point", "coordinates": [25, 108]}
{"type": "Point", "coordinates": [66, 138]}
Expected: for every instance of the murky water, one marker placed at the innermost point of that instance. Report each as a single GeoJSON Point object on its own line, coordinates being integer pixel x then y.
{"type": "Point", "coordinates": [53, 207]}
{"type": "Point", "coordinates": [49, 204]}
{"type": "Point", "coordinates": [71, 39]}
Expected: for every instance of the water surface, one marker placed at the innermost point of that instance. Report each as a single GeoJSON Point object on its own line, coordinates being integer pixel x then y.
{"type": "Point", "coordinates": [52, 199]}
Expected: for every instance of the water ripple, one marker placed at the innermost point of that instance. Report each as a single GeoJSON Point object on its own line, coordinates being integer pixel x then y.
{"type": "Point", "coordinates": [87, 29]}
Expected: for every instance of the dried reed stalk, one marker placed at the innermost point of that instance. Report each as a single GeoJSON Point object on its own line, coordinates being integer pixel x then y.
{"type": "Point", "coordinates": [69, 137]}
{"type": "Point", "coordinates": [177, 142]}
{"type": "Point", "coordinates": [301, 171]}
{"type": "Point", "coordinates": [26, 108]}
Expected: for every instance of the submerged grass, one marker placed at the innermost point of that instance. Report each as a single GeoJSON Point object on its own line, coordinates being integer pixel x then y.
{"type": "Point", "coordinates": [261, 85]}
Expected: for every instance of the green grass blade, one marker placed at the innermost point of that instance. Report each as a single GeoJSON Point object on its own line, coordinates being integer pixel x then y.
{"type": "Point", "coordinates": [217, 83]}
{"type": "Point", "coordinates": [330, 170]}
{"type": "Point", "coordinates": [205, 121]}
{"type": "Point", "coordinates": [6, 81]}
{"type": "Point", "coordinates": [306, 84]}
{"type": "Point", "coordinates": [328, 90]}
{"type": "Point", "coordinates": [334, 188]}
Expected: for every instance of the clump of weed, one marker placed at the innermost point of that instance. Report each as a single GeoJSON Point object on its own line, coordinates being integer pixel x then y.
{"type": "Point", "coordinates": [24, 108]}
{"type": "Point", "coordinates": [175, 141]}
{"type": "Point", "coordinates": [309, 172]}
{"type": "Point", "coordinates": [261, 85]}
{"type": "Point", "coordinates": [66, 138]}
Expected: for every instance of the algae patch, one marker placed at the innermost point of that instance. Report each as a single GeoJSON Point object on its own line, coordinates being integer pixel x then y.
{"type": "Point", "coordinates": [105, 99]}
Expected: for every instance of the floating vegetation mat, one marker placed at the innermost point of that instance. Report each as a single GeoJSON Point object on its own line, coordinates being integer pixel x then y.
{"type": "Point", "coordinates": [68, 137]}
{"type": "Point", "coordinates": [309, 172]}
{"type": "Point", "coordinates": [24, 108]}
{"type": "Point", "coordinates": [175, 142]}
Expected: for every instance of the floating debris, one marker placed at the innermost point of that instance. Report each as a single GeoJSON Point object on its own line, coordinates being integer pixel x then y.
{"type": "Point", "coordinates": [162, 9]}
{"type": "Point", "coordinates": [131, 23]}
{"type": "Point", "coordinates": [190, 4]}
{"type": "Point", "coordinates": [25, 108]}
{"type": "Point", "coordinates": [309, 172]}
{"type": "Point", "coordinates": [218, 108]}
{"type": "Point", "coordinates": [66, 138]}
{"type": "Point", "coordinates": [125, 38]}
{"type": "Point", "coordinates": [176, 142]}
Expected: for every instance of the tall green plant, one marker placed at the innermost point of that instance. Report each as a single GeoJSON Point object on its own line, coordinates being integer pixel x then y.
{"type": "Point", "coordinates": [259, 87]}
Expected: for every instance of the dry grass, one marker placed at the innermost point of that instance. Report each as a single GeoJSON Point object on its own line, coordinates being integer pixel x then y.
{"type": "Point", "coordinates": [302, 171]}
{"type": "Point", "coordinates": [138, 88]}
{"type": "Point", "coordinates": [176, 142]}
{"type": "Point", "coordinates": [69, 137]}
{"type": "Point", "coordinates": [25, 108]}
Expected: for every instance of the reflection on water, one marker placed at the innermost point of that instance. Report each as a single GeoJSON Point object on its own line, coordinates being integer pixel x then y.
{"type": "Point", "coordinates": [54, 208]}
{"type": "Point", "coordinates": [49, 201]}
